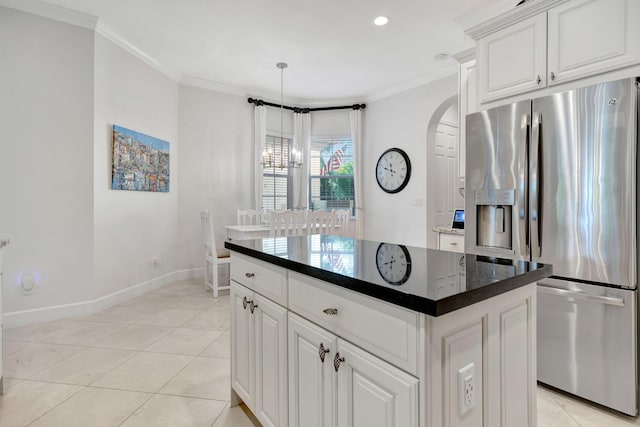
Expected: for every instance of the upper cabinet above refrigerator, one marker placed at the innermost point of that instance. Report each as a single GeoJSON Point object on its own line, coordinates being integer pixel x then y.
{"type": "Point", "coordinates": [533, 47]}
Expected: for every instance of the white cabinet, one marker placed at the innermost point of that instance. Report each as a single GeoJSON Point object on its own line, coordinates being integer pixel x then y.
{"type": "Point", "coordinates": [513, 60]}
{"type": "Point", "coordinates": [371, 392]}
{"type": "Point", "coordinates": [259, 349]}
{"type": "Point", "coordinates": [349, 386]}
{"type": "Point", "coordinates": [451, 242]}
{"type": "Point", "coordinates": [587, 37]}
{"type": "Point", "coordinates": [467, 101]}
{"type": "Point", "coordinates": [3, 243]}
{"type": "Point", "coordinates": [575, 39]}
{"type": "Point", "coordinates": [312, 383]}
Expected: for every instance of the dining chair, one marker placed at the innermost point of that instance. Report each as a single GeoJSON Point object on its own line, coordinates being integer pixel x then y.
{"type": "Point", "coordinates": [341, 222]}
{"type": "Point", "coordinates": [213, 257]}
{"type": "Point", "coordinates": [320, 222]}
{"type": "Point", "coordinates": [287, 223]}
{"type": "Point", "coordinates": [248, 217]}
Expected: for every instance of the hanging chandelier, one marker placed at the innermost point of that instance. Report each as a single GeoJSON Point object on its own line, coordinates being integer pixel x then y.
{"type": "Point", "coordinates": [295, 156]}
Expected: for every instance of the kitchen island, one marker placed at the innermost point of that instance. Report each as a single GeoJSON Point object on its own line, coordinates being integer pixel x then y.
{"type": "Point", "coordinates": [335, 331]}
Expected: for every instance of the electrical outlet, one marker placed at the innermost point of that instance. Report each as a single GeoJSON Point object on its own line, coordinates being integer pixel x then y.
{"type": "Point", "coordinates": [27, 282]}
{"type": "Point", "coordinates": [466, 389]}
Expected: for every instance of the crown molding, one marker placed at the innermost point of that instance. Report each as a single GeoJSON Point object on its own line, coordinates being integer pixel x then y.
{"type": "Point", "coordinates": [114, 37]}
{"type": "Point", "coordinates": [440, 73]}
{"type": "Point", "coordinates": [466, 55]}
{"type": "Point", "coordinates": [210, 85]}
{"type": "Point", "coordinates": [513, 16]}
{"type": "Point", "coordinates": [50, 11]}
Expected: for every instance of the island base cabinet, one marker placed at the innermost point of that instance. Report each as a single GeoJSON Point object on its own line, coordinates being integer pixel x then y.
{"type": "Point", "coordinates": [372, 393]}
{"type": "Point", "coordinates": [334, 383]}
{"type": "Point", "coordinates": [259, 355]}
{"type": "Point", "coordinates": [312, 380]}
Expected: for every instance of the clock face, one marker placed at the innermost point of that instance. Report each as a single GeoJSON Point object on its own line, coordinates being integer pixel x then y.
{"type": "Point", "coordinates": [393, 170]}
{"type": "Point", "coordinates": [394, 263]}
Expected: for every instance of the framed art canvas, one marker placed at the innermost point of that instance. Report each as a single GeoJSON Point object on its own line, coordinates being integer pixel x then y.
{"type": "Point", "coordinates": [140, 162]}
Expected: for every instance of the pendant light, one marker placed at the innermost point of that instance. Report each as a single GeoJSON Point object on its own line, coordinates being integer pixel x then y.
{"type": "Point", "coordinates": [295, 156]}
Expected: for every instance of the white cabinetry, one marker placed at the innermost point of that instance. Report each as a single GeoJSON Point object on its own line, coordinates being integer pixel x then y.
{"type": "Point", "coordinates": [333, 382]}
{"type": "Point", "coordinates": [513, 60]}
{"type": "Point", "coordinates": [571, 40]}
{"type": "Point", "coordinates": [3, 243]}
{"type": "Point", "coordinates": [587, 37]}
{"type": "Point", "coordinates": [451, 242]}
{"type": "Point", "coordinates": [467, 101]}
{"type": "Point", "coordinates": [259, 363]}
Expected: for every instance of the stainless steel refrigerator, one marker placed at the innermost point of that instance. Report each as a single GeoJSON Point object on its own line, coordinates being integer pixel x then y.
{"type": "Point", "coordinates": [553, 180]}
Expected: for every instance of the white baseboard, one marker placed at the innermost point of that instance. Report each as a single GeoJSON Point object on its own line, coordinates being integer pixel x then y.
{"type": "Point", "coordinates": [86, 308]}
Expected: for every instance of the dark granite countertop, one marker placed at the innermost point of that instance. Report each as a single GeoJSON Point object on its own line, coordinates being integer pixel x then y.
{"type": "Point", "coordinates": [430, 281]}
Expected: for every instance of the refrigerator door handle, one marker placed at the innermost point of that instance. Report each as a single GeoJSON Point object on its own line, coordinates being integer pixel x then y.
{"type": "Point", "coordinates": [618, 302]}
{"type": "Point", "coordinates": [534, 187]}
{"type": "Point", "coordinates": [523, 186]}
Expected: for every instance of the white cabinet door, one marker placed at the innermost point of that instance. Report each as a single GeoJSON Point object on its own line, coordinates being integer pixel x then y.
{"type": "Point", "coordinates": [372, 393]}
{"type": "Point", "coordinates": [270, 323]}
{"type": "Point", "coordinates": [312, 383]}
{"type": "Point", "coordinates": [587, 37]}
{"type": "Point", "coordinates": [513, 60]}
{"type": "Point", "coordinates": [466, 105]}
{"type": "Point", "coordinates": [242, 344]}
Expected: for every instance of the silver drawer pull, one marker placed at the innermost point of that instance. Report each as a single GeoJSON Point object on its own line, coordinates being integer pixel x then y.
{"type": "Point", "coordinates": [330, 311]}
{"type": "Point", "coordinates": [453, 243]}
{"type": "Point", "coordinates": [570, 293]}
{"type": "Point", "coordinates": [249, 275]}
{"type": "Point", "coordinates": [322, 352]}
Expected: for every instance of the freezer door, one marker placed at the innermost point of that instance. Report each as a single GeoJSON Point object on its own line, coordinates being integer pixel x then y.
{"type": "Point", "coordinates": [496, 181]}
{"type": "Point", "coordinates": [583, 183]}
{"type": "Point", "coordinates": [587, 342]}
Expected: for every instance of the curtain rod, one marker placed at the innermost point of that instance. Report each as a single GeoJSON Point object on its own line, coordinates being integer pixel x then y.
{"type": "Point", "coordinates": [258, 102]}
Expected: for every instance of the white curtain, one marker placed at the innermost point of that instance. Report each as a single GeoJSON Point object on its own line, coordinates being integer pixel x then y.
{"type": "Point", "coordinates": [302, 142]}
{"type": "Point", "coordinates": [356, 138]}
{"type": "Point", "coordinates": [259, 141]}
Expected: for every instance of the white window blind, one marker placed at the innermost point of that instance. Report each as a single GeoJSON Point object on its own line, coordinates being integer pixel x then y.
{"type": "Point", "coordinates": [276, 182]}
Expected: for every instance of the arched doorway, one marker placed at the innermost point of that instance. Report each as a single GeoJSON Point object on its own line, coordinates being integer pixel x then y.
{"type": "Point", "coordinates": [444, 187]}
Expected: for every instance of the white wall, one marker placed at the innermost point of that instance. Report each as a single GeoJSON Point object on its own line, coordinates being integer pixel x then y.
{"type": "Point", "coordinates": [215, 165]}
{"type": "Point", "coordinates": [330, 123]}
{"type": "Point", "coordinates": [401, 121]}
{"type": "Point", "coordinates": [132, 227]}
{"type": "Point", "coordinates": [46, 158]}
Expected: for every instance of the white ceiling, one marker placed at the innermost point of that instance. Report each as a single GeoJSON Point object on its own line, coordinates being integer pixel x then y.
{"type": "Point", "coordinates": [334, 50]}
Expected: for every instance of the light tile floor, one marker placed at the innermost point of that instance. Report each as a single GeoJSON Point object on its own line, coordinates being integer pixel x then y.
{"type": "Point", "coordinates": [161, 360]}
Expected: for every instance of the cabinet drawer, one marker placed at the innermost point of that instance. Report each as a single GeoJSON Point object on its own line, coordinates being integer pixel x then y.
{"type": "Point", "coordinates": [386, 330]}
{"type": "Point", "coordinates": [261, 277]}
{"type": "Point", "coordinates": [452, 242]}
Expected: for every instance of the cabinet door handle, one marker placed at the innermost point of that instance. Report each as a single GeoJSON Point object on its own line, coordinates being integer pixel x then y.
{"type": "Point", "coordinates": [330, 311]}
{"type": "Point", "coordinates": [249, 275]}
{"type": "Point", "coordinates": [245, 301]}
{"type": "Point", "coordinates": [539, 80]}
{"type": "Point", "coordinates": [453, 243]}
{"type": "Point", "coordinates": [553, 76]}
{"type": "Point", "coordinates": [322, 352]}
{"type": "Point", "coordinates": [337, 360]}
{"type": "Point", "coordinates": [252, 306]}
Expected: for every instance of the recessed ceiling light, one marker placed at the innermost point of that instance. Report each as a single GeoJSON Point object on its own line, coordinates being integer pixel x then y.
{"type": "Point", "coordinates": [381, 20]}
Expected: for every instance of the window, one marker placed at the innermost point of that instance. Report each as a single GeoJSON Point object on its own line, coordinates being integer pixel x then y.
{"type": "Point", "coordinates": [331, 174]}
{"type": "Point", "coordinates": [276, 182]}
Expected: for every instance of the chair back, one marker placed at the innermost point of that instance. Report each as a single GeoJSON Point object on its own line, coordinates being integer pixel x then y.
{"type": "Point", "coordinates": [248, 217]}
{"type": "Point", "coordinates": [320, 222]}
{"type": "Point", "coordinates": [206, 226]}
{"type": "Point", "coordinates": [341, 222]}
{"type": "Point", "coordinates": [287, 223]}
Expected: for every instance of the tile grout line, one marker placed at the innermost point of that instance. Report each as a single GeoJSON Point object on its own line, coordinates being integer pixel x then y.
{"type": "Point", "coordinates": [564, 409]}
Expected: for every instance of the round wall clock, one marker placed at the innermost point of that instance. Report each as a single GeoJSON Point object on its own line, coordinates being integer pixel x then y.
{"type": "Point", "coordinates": [393, 170]}
{"type": "Point", "coordinates": [393, 263]}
